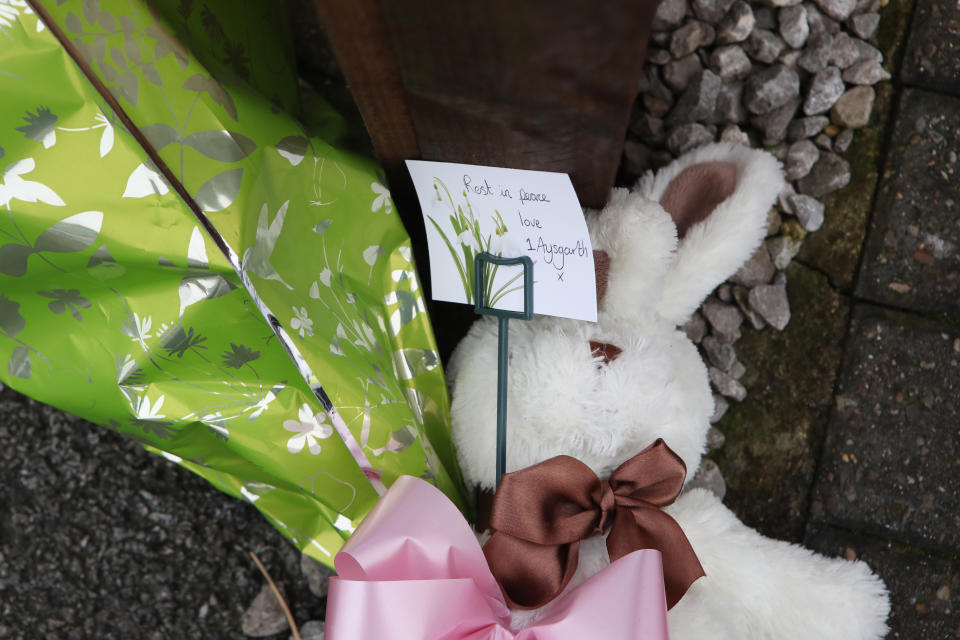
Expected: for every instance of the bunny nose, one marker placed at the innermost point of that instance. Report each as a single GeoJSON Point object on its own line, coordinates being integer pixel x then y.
{"type": "Point", "coordinates": [609, 352]}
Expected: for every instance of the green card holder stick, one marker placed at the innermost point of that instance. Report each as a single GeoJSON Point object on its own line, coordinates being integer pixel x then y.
{"type": "Point", "coordinates": [503, 316]}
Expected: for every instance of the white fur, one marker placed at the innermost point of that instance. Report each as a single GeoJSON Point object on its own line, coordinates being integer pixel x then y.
{"type": "Point", "coordinates": [562, 400]}
{"type": "Point", "coordinates": [714, 249]}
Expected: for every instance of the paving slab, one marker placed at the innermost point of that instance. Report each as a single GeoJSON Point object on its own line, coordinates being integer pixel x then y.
{"type": "Point", "coordinates": [771, 438]}
{"type": "Point", "coordinates": [932, 58]}
{"type": "Point", "coordinates": [100, 539]}
{"type": "Point", "coordinates": [912, 256]}
{"type": "Point", "coordinates": [924, 586]}
{"type": "Point", "coordinates": [891, 461]}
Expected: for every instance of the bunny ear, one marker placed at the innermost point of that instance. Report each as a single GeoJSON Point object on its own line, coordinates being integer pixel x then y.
{"type": "Point", "coordinates": [718, 197]}
{"type": "Point", "coordinates": [634, 241]}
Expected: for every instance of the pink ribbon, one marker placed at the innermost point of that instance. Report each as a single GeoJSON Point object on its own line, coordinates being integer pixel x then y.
{"type": "Point", "coordinates": [413, 570]}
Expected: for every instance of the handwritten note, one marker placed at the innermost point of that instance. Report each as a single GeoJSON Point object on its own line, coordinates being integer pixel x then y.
{"type": "Point", "coordinates": [469, 209]}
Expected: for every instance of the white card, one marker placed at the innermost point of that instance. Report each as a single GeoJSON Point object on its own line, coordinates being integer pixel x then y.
{"type": "Point", "coordinates": [507, 212]}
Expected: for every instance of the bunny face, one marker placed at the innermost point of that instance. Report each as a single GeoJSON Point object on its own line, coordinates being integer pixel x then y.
{"type": "Point", "coordinates": [603, 391]}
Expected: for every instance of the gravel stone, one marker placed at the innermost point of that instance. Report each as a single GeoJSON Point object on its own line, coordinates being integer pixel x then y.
{"type": "Point", "coordinates": [695, 328]}
{"type": "Point", "coordinates": [312, 630]}
{"type": "Point", "coordinates": [800, 159]}
{"type": "Point", "coordinates": [790, 57]}
{"type": "Point", "coordinates": [837, 9]}
{"type": "Point", "coordinates": [770, 88]}
{"type": "Point", "coordinates": [264, 617]}
{"type": "Point", "coordinates": [866, 71]}
{"type": "Point", "coordinates": [809, 211]}
{"type": "Point", "coordinates": [698, 101]}
{"type": "Point", "coordinates": [648, 127]}
{"type": "Point", "coordinates": [757, 270]}
{"type": "Point", "coordinates": [737, 25]}
{"type": "Point", "coordinates": [669, 15]}
{"type": "Point", "coordinates": [677, 74]}
{"type": "Point", "coordinates": [740, 296]}
{"type": "Point", "coordinates": [723, 292]}
{"type": "Point", "coordinates": [734, 135]}
{"type": "Point", "coordinates": [661, 38]}
{"type": "Point", "coordinates": [764, 46]}
{"type": "Point", "coordinates": [774, 125]}
{"type": "Point", "coordinates": [715, 437]}
{"type": "Point", "coordinates": [774, 222]}
{"type": "Point", "coordinates": [818, 22]}
{"type": "Point", "coordinates": [784, 195]}
{"type": "Point", "coordinates": [770, 301]}
{"type": "Point", "coordinates": [720, 354]}
{"type": "Point", "coordinates": [766, 18]}
{"type": "Point", "coordinates": [709, 477]}
{"type": "Point", "coordinates": [866, 51]}
{"type": "Point", "coordinates": [842, 142]}
{"type": "Point", "coordinates": [793, 26]}
{"type": "Point", "coordinates": [720, 406]}
{"type": "Point", "coordinates": [806, 127]}
{"type": "Point", "coordinates": [687, 137]}
{"type": "Point", "coordinates": [782, 3]}
{"type": "Point", "coordinates": [658, 56]}
{"type": "Point", "coordinates": [711, 11]}
{"type": "Point", "coordinates": [853, 108]}
{"type": "Point", "coordinates": [730, 63]}
{"type": "Point", "coordinates": [825, 89]}
{"type": "Point", "coordinates": [831, 172]}
{"type": "Point", "coordinates": [636, 157]}
{"type": "Point", "coordinates": [817, 53]}
{"type": "Point", "coordinates": [317, 575]}
{"type": "Point", "coordinates": [845, 51]}
{"type": "Point", "coordinates": [727, 385]}
{"type": "Point", "coordinates": [724, 319]}
{"type": "Point", "coordinates": [782, 250]}
{"type": "Point", "coordinates": [823, 141]}
{"type": "Point", "coordinates": [729, 106]}
{"type": "Point", "coordinates": [658, 99]}
{"type": "Point", "coordinates": [864, 25]}
{"type": "Point", "coordinates": [690, 37]}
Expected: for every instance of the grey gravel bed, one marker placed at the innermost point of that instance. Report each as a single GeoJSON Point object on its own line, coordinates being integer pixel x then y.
{"type": "Point", "coordinates": [790, 76]}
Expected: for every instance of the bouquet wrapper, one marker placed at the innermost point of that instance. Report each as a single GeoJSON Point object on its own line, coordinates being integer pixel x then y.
{"type": "Point", "coordinates": [186, 262]}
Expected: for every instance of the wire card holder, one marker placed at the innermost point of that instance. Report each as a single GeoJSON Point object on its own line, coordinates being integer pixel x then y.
{"type": "Point", "coordinates": [503, 334]}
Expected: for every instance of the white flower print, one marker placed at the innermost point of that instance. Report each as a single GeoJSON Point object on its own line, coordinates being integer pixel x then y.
{"type": "Point", "coordinates": [138, 329]}
{"type": "Point", "coordinates": [382, 201]}
{"type": "Point", "coordinates": [301, 322]}
{"type": "Point", "coordinates": [309, 430]}
{"type": "Point", "coordinates": [146, 411]}
{"type": "Point", "coordinates": [13, 187]}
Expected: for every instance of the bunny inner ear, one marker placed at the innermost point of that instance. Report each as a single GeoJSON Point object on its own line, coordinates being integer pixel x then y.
{"type": "Point", "coordinates": [601, 272]}
{"type": "Point", "coordinates": [695, 193]}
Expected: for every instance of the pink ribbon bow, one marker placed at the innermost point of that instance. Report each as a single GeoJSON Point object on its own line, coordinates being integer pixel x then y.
{"type": "Point", "coordinates": [413, 570]}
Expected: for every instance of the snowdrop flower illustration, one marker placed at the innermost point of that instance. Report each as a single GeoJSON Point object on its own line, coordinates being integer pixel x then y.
{"type": "Point", "coordinates": [301, 322]}
{"type": "Point", "coordinates": [382, 201]}
{"type": "Point", "coordinates": [309, 430]}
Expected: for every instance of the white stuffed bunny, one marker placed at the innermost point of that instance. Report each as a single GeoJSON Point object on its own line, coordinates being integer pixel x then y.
{"type": "Point", "coordinates": [601, 392]}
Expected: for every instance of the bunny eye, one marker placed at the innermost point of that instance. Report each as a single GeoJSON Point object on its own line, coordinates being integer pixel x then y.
{"type": "Point", "coordinates": [609, 352]}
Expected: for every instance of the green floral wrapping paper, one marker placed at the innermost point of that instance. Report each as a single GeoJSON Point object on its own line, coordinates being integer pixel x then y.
{"type": "Point", "coordinates": [275, 343]}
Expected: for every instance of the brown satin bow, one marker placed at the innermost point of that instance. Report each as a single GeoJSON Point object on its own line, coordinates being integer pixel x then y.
{"type": "Point", "coordinates": [541, 513]}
